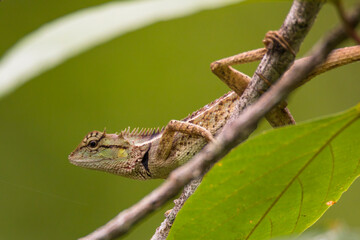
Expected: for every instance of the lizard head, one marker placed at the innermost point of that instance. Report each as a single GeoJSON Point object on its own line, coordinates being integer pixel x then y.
{"type": "Point", "coordinates": [100, 151]}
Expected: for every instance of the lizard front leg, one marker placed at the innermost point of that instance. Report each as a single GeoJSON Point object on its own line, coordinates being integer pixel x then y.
{"type": "Point", "coordinates": [167, 138]}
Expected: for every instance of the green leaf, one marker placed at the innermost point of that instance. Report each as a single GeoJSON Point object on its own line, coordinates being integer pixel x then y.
{"type": "Point", "coordinates": [68, 36]}
{"type": "Point", "coordinates": [275, 184]}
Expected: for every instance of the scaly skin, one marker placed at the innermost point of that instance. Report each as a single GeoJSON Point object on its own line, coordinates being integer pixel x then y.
{"type": "Point", "coordinates": [155, 153]}
{"type": "Point", "coordinates": [134, 155]}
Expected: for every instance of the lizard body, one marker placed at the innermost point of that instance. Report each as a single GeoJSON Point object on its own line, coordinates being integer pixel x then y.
{"type": "Point", "coordinates": [154, 153]}
{"type": "Point", "coordinates": [135, 154]}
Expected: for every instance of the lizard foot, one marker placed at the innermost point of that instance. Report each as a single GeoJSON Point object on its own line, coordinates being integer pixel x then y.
{"type": "Point", "coordinates": [272, 36]}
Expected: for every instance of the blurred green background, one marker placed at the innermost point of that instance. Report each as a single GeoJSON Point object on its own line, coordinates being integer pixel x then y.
{"type": "Point", "coordinates": [145, 79]}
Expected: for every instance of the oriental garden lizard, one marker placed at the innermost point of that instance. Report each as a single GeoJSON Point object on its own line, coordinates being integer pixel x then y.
{"type": "Point", "coordinates": [154, 153]}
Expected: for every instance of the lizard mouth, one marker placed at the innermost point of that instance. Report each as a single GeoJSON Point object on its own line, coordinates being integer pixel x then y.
{"type": "Point", "coordinates": [76, 161]}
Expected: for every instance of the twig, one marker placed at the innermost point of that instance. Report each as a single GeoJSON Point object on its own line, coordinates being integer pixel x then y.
{"type": "Point", "coordinates": [233, 133]}
{"type": "Point", "coordinates": [163, 231]}
{"type": "Point", "coordinates": [347, 26]}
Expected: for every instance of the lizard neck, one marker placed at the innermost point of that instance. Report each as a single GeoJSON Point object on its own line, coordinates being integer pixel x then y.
{"type": "Point", "coordinates": [137, 164]}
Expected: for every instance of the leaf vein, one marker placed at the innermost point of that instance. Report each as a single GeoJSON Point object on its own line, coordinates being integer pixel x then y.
{"type": "Point", "coordinates": [301, 204]}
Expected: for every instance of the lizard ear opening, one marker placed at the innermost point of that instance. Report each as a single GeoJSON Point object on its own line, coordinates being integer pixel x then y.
{"type": "Point", "coordinates": [122, 153]}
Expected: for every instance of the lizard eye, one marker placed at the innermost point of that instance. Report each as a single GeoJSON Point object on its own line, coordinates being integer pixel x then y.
{"type": "Point", "coordinates": [92, 144]}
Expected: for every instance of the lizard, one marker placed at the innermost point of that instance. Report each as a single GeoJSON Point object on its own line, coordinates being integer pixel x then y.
{"type": "Point", "coordinates": [154, 153]}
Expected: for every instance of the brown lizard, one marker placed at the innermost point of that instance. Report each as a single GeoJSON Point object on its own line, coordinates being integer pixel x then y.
{"type": "Point", "coordinates": [154, 153]}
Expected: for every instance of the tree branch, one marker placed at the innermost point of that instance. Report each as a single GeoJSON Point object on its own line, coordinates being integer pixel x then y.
{"type": "Point", "coordinates": [233, 133]}
{"type": "Point", "coordinates": [278, 59]}
{"type": "Point", "coordinates": [347, 26]}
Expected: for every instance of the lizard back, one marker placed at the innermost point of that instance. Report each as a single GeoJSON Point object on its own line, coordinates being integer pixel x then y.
{"type": "Point", "coordinates": [212, 117]}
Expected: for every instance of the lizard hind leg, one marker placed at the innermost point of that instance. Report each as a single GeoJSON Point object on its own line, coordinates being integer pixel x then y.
{"type": "Point", "coordinates": [167, 138]}
{"type": "Point", "coordinates": [237, 81]}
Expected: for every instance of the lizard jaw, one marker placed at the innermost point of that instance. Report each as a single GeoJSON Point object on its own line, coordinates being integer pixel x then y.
{"type": "Point", "coordinates": [77, 161]}
{"type": "Point", "coordinates": [74, 161]}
